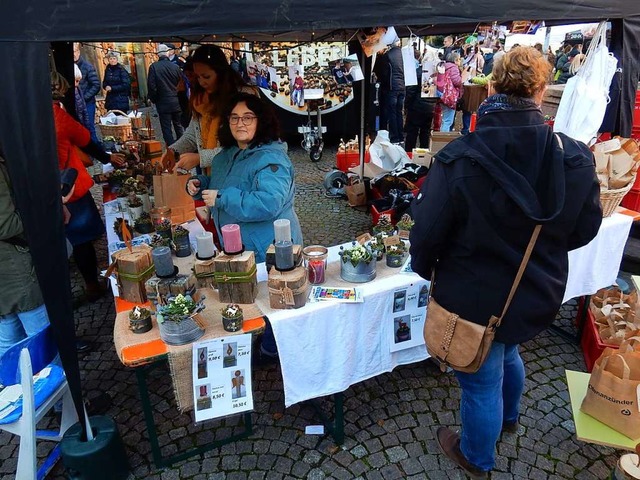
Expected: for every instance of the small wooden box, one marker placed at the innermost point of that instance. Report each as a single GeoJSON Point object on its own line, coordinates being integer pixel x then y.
{"type": "Point", "coordinates": [241, 285]}
{"type": "Point", "coordinates": [165, 287]}
{"type": "Point", "coordinates": [149, 147]}
{"type": "Point", "coordinates": [146, 133]}
{"type": "Point", "coordinates": [204, 272]}
{"type": "Point", "coordinates": [288, 289]}
{"type": "Point", "coordinates": [439, 140]}
{"type": "Point", "coordinates": [134, 268]}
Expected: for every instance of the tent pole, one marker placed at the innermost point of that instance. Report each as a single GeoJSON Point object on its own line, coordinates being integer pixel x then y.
{"type": "Point", "coordinates": [362, 116]}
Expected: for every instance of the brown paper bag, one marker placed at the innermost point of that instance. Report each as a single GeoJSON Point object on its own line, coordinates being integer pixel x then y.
{"type": "Point", "coordinates": [612, 395]}
{"type": "Point", "coordinates": [170, 191]}
{"type": "Point", "coordinates": [356, 193]}
{"type": "Point", "coordinates": [602, 168]}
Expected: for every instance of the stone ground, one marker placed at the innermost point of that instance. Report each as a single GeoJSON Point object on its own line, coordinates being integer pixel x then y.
{"type": "Point", "coordinates": [390, 420]}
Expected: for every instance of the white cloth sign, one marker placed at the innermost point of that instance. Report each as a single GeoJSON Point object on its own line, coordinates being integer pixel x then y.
{"type": "Point", "coordinates": [409, 64]}
{"type": "Point", "coordinates": [222, 377]}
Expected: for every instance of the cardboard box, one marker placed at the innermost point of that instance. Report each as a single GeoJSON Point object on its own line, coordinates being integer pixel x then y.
{"type": "Point", "coordinates": [149, 147]}
{"type": "Point", "coordinates": [440, 139]}
{"type": "Point", "coordinates": [422, 156]}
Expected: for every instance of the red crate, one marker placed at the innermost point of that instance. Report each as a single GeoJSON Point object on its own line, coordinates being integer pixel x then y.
{"type": "Point", "coordinates": [375, 214]}
{"type": "Point", "coordinates": [632, 199]}
{"type": "Point", "coordinates": [592, 346]}
{"type": "Point", "coordinates": [347, 160]}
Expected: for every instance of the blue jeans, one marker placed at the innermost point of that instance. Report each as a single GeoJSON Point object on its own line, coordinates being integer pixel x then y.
{"type": "Point", "coordinates": [91, 114]}
{"type": "Point", "coordinates": [466, 122]}
{"type": "Point", "coordinates": [448, 116]}
{"type": "Point", "coordinates": [18, 326]}
{"type": "Point", "coordinates": [490, 397]}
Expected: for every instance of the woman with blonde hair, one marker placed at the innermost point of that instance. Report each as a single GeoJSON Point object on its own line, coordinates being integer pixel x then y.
{"type": "Point", "coordinates": [476, 215]}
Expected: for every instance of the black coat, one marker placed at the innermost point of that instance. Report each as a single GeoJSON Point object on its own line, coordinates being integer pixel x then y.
{"type": "Point", "coordinates": [478, 207]}
{"type": "Point", "coordinates": [162, 83]}
{"type": "Point", "coordinates": [390, 70]}
{"type": "Point", "coordinates": [116, 77]}
{"type": "Point", "coordinates": [415, 106]}
{"type": "Point", "coordinates": [90, 83]}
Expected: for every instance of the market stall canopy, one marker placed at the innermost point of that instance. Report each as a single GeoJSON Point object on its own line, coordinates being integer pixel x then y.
{"type": "Point", "coordinates": [87, 20]}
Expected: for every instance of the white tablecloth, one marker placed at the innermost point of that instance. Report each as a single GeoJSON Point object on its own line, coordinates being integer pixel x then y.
{"type": "Point", "coordinates": [325, 347]}
{"type": "Point", "coordinates": [596, 265]}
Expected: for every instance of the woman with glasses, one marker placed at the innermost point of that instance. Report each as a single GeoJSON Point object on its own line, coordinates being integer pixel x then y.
{"type": "Point", "coordinates": [216, 83]}
{"type": "Point", "coordinates": [251, 183]}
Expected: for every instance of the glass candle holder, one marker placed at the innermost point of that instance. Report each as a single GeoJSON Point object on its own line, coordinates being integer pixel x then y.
{"type": "Point", "coordinates": [315, 259]}
{"type": "Point", "coordinates": [159, 214]}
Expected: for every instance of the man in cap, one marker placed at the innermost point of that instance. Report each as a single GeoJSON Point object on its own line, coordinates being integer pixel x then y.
{"type": "Point", "coordinates": [162, 84]}
{"type": "Point", "coordinates": [89, 87]}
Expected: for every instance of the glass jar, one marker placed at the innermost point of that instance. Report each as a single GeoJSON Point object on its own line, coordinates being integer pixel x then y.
{"type": "Point", "coordinates": [315, 259]}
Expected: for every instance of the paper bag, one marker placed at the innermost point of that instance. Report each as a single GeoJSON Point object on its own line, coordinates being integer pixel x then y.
{"type": "Point", "coordinates": [612, 395]}
{"type": "Point", "coordinates": [356, 194]}
{"type": "Point", "coordinates": [170, 191]}
{"type": "Point", "coordinates": [602, 168]}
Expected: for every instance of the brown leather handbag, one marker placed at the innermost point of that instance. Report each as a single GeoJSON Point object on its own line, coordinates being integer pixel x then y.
{"type": "Point", "coordinates": [458, 343]}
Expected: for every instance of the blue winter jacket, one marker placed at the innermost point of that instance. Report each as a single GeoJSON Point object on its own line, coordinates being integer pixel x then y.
{"type": "Point", "coordinates": [255, 187]}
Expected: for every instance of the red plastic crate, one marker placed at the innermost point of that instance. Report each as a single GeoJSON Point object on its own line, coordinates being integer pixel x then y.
{"type": "Point", "coordinates": [632, 199]}
{"type": "Point", "coordinates": [347, 160]}
{"type": "Point", "coordinates": [375, 215]}
{"type": "Point", "coordinates": [592, 346]}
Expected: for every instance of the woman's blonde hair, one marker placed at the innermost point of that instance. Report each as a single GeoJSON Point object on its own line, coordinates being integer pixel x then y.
{"type": "Point", "coordinates": [522, 72]}
{"type": "Point", "coordinates": [576, 63]}
{"type": "Point", "coordinates": [59, 85]}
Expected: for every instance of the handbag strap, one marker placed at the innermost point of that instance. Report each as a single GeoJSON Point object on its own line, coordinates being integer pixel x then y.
{"type": "Point", "coordinates": [516, 282]}
{"type": "Point", "coordinates": [523, 266]}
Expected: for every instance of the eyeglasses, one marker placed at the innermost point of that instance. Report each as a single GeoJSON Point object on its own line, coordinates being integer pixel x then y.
{"type": "Point", "coordinates": [246, 120]}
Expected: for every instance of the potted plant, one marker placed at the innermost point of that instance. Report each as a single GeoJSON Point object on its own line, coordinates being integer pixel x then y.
{"type": "Point", "coordinates": [376, 245]}
{"type": "Point", "coordinates": [395, 254]}
{"type": "Point", "coordinates": [164, 228]}
{"type": "Point", "coordinates": [404, 226]}
{"type": "Point", "coordinates": [135, 207]}
{"type": "Point", "coordinates": [177, 320]}
{"type": "Point", "coordinates": [140, 320]}
{"type": "Point", "coordinates": [358, 264]}
{"type": "Point", "coordinates": [109, 143]}
{"type": "Point", "coordinates": [143, 223]}
{"type": "Point", "coordinates": [181, 241]}
{"type": "Point", "coordinates": [384, 225]}
{"type": "Point", "coordinates": [116, 179]}
{"type": "Point", "coordinates": [123, 197]}
{"type": "Point", "coordinates": [232, 317]}
{"type": "Point", "coordinates": [117, 226]}
{"type": "Point", "coordinates": [160, 241]}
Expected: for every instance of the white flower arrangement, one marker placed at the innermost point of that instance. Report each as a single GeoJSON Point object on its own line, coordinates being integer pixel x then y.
{"type": "Point", "coordinates": [356, 254]}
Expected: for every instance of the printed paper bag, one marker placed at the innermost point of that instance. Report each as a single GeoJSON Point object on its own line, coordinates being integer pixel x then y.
{"type": "Point", "coordinates": [356, 194]}
{"type": "Point", "coordinates": [612, 395]}
{"type": "Point", "coordinates": [170, 191]}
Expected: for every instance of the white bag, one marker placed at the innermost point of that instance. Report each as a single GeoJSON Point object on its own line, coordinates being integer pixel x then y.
{"type": "Point", "coordinates": [409, 64]}
{"type": "Point", "coordinates": [385, 154]}
{"type": "Point", "coordinates": [586, 94]}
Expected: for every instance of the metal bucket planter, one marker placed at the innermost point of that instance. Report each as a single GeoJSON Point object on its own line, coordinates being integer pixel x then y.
{"type": "Point", "coordinates": [361, 273]}
{"type": "Point", "coordinates": [232, 324]}
{"type": "Point", "coordinates": [395, 260]}
{"type": "Point", "coordinates": [140, 325]}
{"type": "Point", "coordinates": [180, 333]}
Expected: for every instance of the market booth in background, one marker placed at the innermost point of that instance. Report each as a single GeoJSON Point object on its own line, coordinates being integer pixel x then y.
{"type": "Point", "coordinates": [27, 137]}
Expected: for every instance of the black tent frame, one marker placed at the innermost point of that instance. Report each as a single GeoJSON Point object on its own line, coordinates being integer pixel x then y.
{"type": "Point", "coordinates": [27, 135]}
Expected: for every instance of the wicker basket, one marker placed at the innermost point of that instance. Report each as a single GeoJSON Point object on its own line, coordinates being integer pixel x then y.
{"type": "Point", "coordinates": [610, 199]}
{"type": "Point", "coordinates": [119, 132]}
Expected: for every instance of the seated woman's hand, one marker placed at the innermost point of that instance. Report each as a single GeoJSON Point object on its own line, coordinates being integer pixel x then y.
{"type": "Point", "coordinates": [193, 186]}
{"type": "Point", "coordinates": [187, 161]}
{"type": "Point", "coordinates": [209, 197]}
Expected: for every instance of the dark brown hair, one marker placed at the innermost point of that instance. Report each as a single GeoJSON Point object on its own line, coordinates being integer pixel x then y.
{"type": "Point", "coordinates": [267, 130]}
{"type": "Point", "coordinates": [228, 82]}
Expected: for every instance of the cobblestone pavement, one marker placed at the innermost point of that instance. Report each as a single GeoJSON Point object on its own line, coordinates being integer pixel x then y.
{"type": "Point", "coordinates": [390, 420]}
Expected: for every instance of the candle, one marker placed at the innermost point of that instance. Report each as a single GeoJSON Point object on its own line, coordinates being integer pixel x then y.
{"type": "Point", "coordinates": [282, 228]}
{"type": "Point", "coordinates": [284, 255]}
{"type": "Point", "coordinates": [315, 257]}
{"type": "Point", "coordinates": [162, 261]}
{"type": "Point", "coordinates": [205, 249]}
{"type": "Point", "coordinates": [231, 238]}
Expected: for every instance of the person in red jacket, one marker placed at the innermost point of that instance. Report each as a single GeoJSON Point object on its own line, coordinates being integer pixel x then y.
{"type": "Point", "coordinates": [85, 224]}
{"type": "Point", "coordinates": [449, 71]}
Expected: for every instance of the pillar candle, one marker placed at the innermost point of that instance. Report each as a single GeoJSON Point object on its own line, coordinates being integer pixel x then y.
{"type": "Point", "coordinates": [282, 228]}
{"type": "Point", "coordinates": [284, 255]}
{"type": "Point", "coordinates": [206, 249]}
{"type": "Point", "coordinates": [162, 261]}
{"type": "Point", "coordinates": [231, 238]}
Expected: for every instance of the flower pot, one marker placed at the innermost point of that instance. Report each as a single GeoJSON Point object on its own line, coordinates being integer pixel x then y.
{"type": "Point", "coordinates": [232, 324]}
{"type": "Point", "coordinates": [180, 333]}
{"type": "Point", "coordinates": [123, 202]}
{"type": "Point", "coordinates": [135, 212]}
{"type": "Point", "coordinates": [395, 260]}
{"type": "Point", "coordinates": [379, 254]}
{"type": "Point", "coordinates": [164, 233]}
{"type": "Point", "coordinates": [144, 228]}
{"type": "Point", "coordinates": [361, 273]}
{"type": "Point", "coordinates": [140, 325]}
{"type": "Point", "coordinates": [183, 247]}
